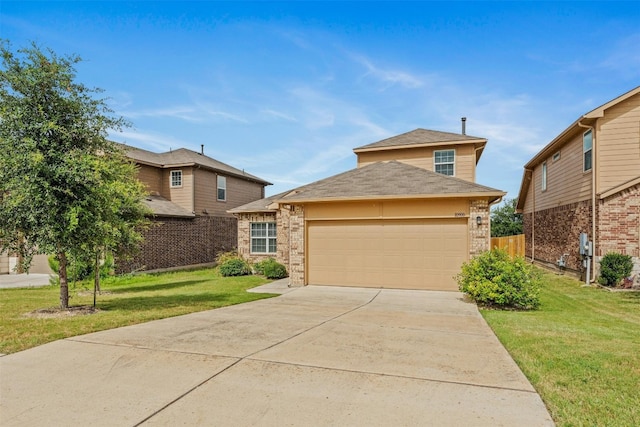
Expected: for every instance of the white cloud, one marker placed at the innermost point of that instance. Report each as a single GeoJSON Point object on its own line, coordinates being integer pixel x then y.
{"type": "Point", "coordinates": [197, 113]}
{"type": "Point", "coordinates": [388, 77]}
{"type": "Point", "coordinates": [279, 115]}
{"type": "Point", "coordinates": [149, 141]}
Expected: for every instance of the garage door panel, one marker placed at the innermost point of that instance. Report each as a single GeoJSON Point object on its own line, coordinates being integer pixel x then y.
{"type": "Point", "coordinates": [410, 254]}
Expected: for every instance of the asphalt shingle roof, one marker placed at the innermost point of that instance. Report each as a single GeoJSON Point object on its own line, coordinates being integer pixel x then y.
{"type": "Point", "coordinates": [386, 179]}
{"type": "Point", "coordinates": [383, 180]}
{"type": "Point", "coordinates": [163, 207]}
{"type": "Point", "coordinates": [183, 156]}
{"type": "Point", "coordinates": [419, 137]}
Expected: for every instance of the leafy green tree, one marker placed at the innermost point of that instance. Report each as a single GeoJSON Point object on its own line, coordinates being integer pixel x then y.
{"type": "Point", "coordinates": [64, 188]}
{"type": "Point", "coordinates": [504, 219]}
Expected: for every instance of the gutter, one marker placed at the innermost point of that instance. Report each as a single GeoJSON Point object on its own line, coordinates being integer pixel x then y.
{"type": "Point", "coordinates": [593, 193]}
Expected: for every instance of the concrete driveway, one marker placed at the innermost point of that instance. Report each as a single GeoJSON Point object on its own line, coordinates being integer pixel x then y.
{"type": "Point", "coordinates": [316, 356]}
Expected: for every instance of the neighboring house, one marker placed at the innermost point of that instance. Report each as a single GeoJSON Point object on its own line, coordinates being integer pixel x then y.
{"type": "Point", "coordinates": [189, 195]}
{"type": "Point", "coordinates": [4, 263]}
{"type": "Point", "coordinates": [407, 217]}
{"type": "Point", "coordinates": [591, 169]}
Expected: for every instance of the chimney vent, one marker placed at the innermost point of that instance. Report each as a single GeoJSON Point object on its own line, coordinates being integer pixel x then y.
{"type": "Point", "coordinates": [464, 125]}
{"type": "Point", "coordinates": [202, 149]}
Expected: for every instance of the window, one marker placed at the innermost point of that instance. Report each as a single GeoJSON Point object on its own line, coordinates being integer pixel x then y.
{"type": "Point", "coordinates": [222, 188]}
{"type": "Point", "coordinates": [556, 156]}
{"type": "Point", "coordinates": [263, 237]}
{"type": "Point", "coordinates": [444, 161]}
{"type": "Point", "coordinates": [587, 146]}
{"type": "Point", "coordinates": [544, 176]}
{"type": "Point", "coordinates": [176, 178]}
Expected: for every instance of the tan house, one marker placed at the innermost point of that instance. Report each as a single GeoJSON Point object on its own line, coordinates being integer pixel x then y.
{"type": "Point", "coordinates": [407, 217]}
{"type": "Point", "coordinates": [587, 180]}
{"type": "Point", "coordinates": [189, 195]}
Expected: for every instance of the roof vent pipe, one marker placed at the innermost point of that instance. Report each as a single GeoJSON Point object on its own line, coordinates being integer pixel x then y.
{"type": "Point", "coordinates": [202, 149]}
{"type": "Point", "coordinates": [464, 125]}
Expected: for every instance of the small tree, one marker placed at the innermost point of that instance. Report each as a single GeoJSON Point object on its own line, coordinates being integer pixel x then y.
{"type": "Point", "coordinates": [63, 186]}
{"type": "Point", "coordinates": [504, 219]}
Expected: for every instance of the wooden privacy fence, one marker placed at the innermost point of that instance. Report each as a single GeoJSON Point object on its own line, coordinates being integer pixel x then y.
{"type": "Point", "coordinates": [514, 245]}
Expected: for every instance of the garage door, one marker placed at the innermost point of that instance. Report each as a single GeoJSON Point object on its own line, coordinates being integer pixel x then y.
{"type": "Point", "coordinates": [403, 254]}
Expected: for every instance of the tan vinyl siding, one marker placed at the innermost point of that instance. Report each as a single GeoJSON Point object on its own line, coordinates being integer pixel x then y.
{"type": "Point", "coordinates": [239, 192]}
{"type": "Point", "coordinates": [151, 177]}
{"type": "Point", "coordinates": [422, 157]}
{"type": "Point", "coordinates": [566, 182]}
{"type": "Point", "coordinates": [618, 144]}
{"type": "Point", "coordinates": [528, 203]}
{"type": "Point", "coordinates": [181, 196]}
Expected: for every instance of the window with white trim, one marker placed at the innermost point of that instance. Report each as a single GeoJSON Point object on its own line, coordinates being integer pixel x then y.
{"type": "Point", "coordinates": [587, 151]}
{"type": "Point", "coordinates": [222, 188]}
{"type": "Point", "coordinates": [176, 178]}
{"type": "Point", "coordinates": [263, 237]}
{"type": "Point", "coordinates": [544, 176]}
{"type": "Point", "coordinates": [444, 162]}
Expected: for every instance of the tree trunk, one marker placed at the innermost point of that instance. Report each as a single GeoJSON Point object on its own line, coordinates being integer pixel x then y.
{"type": "Point", "coordinates": [96, 278]}
{"type": "Point", "coordinates": [64, 285]}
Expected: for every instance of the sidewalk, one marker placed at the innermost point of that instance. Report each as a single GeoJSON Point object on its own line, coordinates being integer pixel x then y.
{"type": "Point", "coordinates": [23, 280]}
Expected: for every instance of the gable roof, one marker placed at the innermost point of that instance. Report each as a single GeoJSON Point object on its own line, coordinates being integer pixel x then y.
{"type": "Point", "coordinates": [563, 138]}
{"type": "Point", "coordinates": [184, 157]}
{"type": "Point", "coordinates": [420, 137]}
{"type": "Point", "coordinates": [381, 180]}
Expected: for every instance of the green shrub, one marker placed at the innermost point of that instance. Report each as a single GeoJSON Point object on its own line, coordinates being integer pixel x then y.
{"type": "Point", "coordinates": [494, 279]}
{"type": "Point", "coordinates": [270, 268]}
{"type": "Point", "coordinates": [275, 270]}
{"type": "Point", "coordinates": [81, 267]}
{"type": "Point", "coordinates": [235, 267]}
{"type": "Point", "coordinates": [614, 267]}
{"type": "Point", "coordinates": [223, 257]}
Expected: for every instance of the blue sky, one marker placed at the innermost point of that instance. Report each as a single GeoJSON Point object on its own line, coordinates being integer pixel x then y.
{"type": "Point", "coordinates": [287, 90]}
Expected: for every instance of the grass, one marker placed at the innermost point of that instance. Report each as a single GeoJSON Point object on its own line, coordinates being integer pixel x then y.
{"type": "Point", "coordinates": [125, 301]}
{"type": "Point", "coordinates": [580, 350]}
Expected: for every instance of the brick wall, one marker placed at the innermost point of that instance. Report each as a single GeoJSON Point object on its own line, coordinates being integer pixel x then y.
{"type": "Point", "coordinates": [297, 246]}
{"type": "Point", "coordinates": [619, 225]}
{"type": "Point", "coordinates": [479, 236]}
{"type": "Point", "coordinates": [557, 232]}
{"type": "Point", "coordinates": [244, 236]}
{"type": "Point", "coordinates": [176, 242]}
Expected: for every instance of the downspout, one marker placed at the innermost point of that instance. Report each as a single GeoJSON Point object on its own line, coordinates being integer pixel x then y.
{"type": "Point", "coordinates": [593, 195]}
{"type": "Point", "coordinates": [533, 220]}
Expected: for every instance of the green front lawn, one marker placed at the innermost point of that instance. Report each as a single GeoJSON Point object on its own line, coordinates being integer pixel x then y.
{"type": "Point", "coordinates": [125, 301]}
{"type": "Point", "coordinates": [581, 351]}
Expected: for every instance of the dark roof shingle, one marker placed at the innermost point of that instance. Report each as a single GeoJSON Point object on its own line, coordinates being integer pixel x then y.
{"type": "Point", "coordinates": [183, 157]}
{"type": "Point", "coordinates": [420, 137]}
{"type": "Point", "coordinates": [387, 180]}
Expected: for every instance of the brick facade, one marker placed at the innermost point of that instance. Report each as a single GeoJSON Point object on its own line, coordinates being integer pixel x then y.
{"type": "Point", "coordinates": [557, 233]}
{"type": "Point", "coordinates": [176, 242]}
{"type": "Point", "coordinates": [297, 246]}
{"type": "Point", "coordinates": [619, 225]}
{"type": "Point", "coordinates": [244, 236]}
{"type": "Point", "coordinates": [557, 230]}
{"type": "Point", "coordinates": [291, 234]}
{"type": "Point", "coordinates": [479, 236]}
